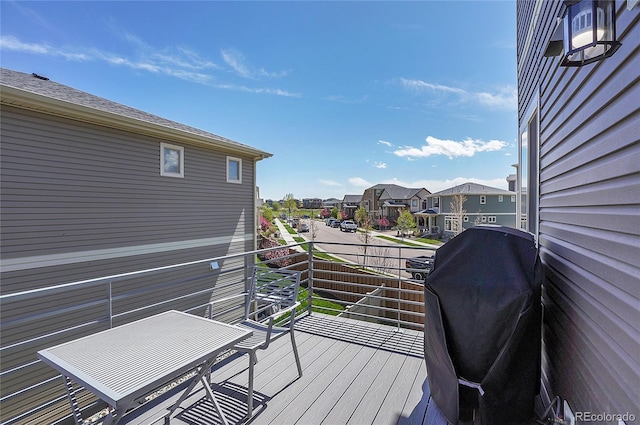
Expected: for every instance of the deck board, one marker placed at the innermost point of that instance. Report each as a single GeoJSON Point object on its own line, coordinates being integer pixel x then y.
{"type": "Point", "coordinates": [353, 372]}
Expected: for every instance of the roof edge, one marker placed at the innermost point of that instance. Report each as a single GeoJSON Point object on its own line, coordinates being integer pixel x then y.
{"type": "Point", "coordinates": [20, 98]}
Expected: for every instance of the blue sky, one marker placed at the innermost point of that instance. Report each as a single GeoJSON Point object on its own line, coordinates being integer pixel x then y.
{"type": "Point", "coordinates": [345, 95]}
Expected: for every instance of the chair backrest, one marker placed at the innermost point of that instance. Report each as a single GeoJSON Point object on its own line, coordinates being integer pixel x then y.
{"type": "Point", "coordinates": [271, 290]}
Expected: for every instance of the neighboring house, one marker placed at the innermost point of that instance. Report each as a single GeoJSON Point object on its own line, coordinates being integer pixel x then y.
{"type": "Point", "coordinates": [311, 203]}
{"type": "Point", "coordinates": [580, 163]}
{"type": "Point", "coordinates": [371, 199]}
{"type": "Point", "coordinates": [395, 199]}
{"type": "Point", "coordinates": [350, 204]}
{"type": "Point", "coordinates": [331, 203]}
{"type": "Point", "coordinates": [91, 188]}
{"type": "Point", "coordinates": [483, 205]}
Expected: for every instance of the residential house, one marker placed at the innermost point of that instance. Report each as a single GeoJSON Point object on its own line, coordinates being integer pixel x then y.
{"type": "Point", "coordinates": [482, 205]}
{"type": "Point", "coordinates": [579, 172]}
{"type": "Point", "coordinates": [350, 204]}
{"type": "Point", "coordinates": [394, 199]}
{"type": "Point", "coordinates": [311, 203]}
{"type": "Point", "coordinates": [92, 188]}
{"type": "Point", "coordinates": [371, 200]}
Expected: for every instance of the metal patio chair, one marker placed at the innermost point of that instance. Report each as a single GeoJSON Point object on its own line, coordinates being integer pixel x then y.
{"type": "Point", "coordinates": [272, 294]}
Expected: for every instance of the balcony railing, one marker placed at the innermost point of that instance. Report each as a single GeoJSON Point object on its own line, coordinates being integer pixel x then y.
{"type": "Point", "coordinates": [363, 282]}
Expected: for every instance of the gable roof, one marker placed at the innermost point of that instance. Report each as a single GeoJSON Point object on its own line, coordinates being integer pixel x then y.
{"type": "Point", "coordinates": [473, 189]}
{"type": "Point", "coordinates": [383, 186]}
{"type": "Point", "coordinates": [352, 199]}
{"type": "Point", "coordinates": [398, 192]}
{"type": "Point", "coordinates": [33, 92]}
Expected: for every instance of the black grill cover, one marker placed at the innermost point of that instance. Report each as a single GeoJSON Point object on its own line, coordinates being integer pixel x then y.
{"type": "Point", "coordinates": [483, 323]}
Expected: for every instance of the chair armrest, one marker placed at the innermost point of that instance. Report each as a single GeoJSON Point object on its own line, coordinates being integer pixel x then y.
{"type": "Point", "coordinates": [290, 309]}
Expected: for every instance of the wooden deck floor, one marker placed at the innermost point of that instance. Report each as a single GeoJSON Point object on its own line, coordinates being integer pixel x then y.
{"type": "Point", "coordinates": [353, 373]}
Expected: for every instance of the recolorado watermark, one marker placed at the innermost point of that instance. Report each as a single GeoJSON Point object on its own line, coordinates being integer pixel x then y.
{"type": "Point", "coordinates": [605, 417]}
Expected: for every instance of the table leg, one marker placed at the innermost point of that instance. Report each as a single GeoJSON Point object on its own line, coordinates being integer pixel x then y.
{"type": "Point", "coordinates": [212, 397]}
{"type": "Point", "coordinates": [71, 393]}
{"type": "Point", "coordinates": [204, 370]}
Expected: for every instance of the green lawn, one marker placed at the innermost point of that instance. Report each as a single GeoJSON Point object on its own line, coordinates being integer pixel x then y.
{"type": "Point", "coordinates": [319, 306]}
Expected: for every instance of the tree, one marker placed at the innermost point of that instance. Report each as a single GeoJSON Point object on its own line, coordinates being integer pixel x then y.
{"type": "Point", "coordinates": [290, 203]}
{"type": "Point", "coordinates": [365, 235]}
{"type": "Point", "coordinates": [276, 206]}
{"type": "Point", "coordinates": [267, 212]}
{"type": "Point", "coordinates": [334, 212]}
{"type": "Point", "coordinates": [361, 216]}
{"type": "Point", "coordinates": [458, 212]}
{"type": "Point", "coordinates": [383, 223]}
{"type": "Point", "coordinates": [264, 223]}
{"type": "Point", "coordinates": [405, 222]}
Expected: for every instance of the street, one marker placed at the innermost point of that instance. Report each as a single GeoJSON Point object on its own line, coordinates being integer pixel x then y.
{"type": "Point", "coordinates": [384, 254]}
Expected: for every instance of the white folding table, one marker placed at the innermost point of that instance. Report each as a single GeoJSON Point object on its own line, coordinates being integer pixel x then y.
{"type": "Point", "coordinates": [122, 364]}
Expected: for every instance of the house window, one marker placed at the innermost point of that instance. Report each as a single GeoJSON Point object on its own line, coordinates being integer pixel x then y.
{"type": "Point", "coordinates": [483, 199]}
{"type": "Point", "coordinates": [513, 198]}
{"type": "Point", "coordinates": [171, 160]}
{"type": "Point", "coordinates": [414, 203]}
{"type": "Point", "coordinates": [500, 198]}
{"type": "Point", "coordinates": [466, 219]}
{"type": "Point", "coordinates": [492, 219]}
{"type": "Point", "coordinates": [528, 169]}
{"type": "Point", "coordinates": [448, 223]}
{"type": "Point", "coordinates": [483, 219]}
{"type": "Point", "coordinates": [436, 202]}
{"type": "Point", "coordinates": [234, 170]}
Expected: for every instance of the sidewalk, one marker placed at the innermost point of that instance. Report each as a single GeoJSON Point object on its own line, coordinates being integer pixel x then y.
{"type": "Point", "coordinates": [391, 234]}
{"type": "Point", "coordinates": [284, 233]}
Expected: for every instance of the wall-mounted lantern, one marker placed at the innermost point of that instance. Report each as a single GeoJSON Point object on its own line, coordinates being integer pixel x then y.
{"type": "Point", "coordinates": [587, 33]}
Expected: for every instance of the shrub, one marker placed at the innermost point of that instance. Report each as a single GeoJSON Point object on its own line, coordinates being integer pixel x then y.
{"type": "Point", "coordinates": [277, 257]}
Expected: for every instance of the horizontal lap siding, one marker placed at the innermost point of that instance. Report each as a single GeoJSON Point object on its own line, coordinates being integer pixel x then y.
{"type": "Point", "coordinates": [70, 188]}
{"type": "Point", "coordinates": [589, 220]}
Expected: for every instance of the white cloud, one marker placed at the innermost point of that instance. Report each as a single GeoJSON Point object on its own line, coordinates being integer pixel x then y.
{"type": "Point", "coordinates": [359, 182]}
{"type": "Point", "coordinates": [384, 142]}
{"type": "Point", "coordinates": [177, 62]}
{"type": "Point", "coordinates": [330, 183]}
{"type": "Point", "coordinates": [504, 97]}
{"type": "Point", "coordinates": [236, 60]}
{"type": "Point", "coordinates": [257, 90]}
{"type": "Point", "coordinates": [449, 148]}
{"type": "Point", "coordinates": [348, 100]}
{"type": "Point", "coordinates": [380, 165]}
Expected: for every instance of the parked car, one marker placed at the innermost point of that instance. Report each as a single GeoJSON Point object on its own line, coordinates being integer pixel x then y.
{"type": "Point", "coordinates": [348, 226]}
{"type": "Point", "coordinates": [335, 223]}
{"type": "Point", "coordinates": [420, 267]}
{"type": "Point", "coordinates": [303, 227]}
{"type": "Point", "coordinates": [329, 220]}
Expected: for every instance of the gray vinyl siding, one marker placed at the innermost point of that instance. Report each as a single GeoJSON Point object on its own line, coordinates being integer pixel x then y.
{"type": "Point", "coordinates": [70, 188]}
{"type": "Point", "coordinates": [589, 221]}
{"type": "Point", "coordinates": [503, 212]}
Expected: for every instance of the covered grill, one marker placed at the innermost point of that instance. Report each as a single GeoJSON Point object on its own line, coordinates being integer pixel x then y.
{"type": "Point", "coordinates": [483, 324]}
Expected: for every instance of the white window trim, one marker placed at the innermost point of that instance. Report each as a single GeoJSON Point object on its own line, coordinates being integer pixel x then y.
{"type": "Point", "coordinates": [239, 161]}
{"type": "Point", "coordinates": [165, 147]}
{"type": "Point", "coordinates": [492, 219]}
{"type": "Point", "coordinates": [448, 223]}
{"type": "Point", "coordinates": [500, 198]}
{"type": "Point", "coordinates": [483, 199]}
